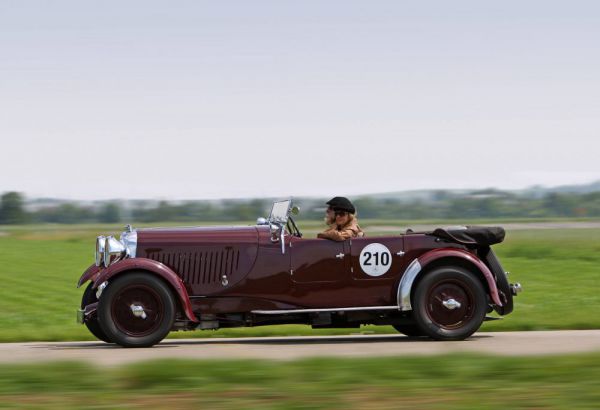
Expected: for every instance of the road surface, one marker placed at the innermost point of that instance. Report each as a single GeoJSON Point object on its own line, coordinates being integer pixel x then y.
{"type": "Point", "coordinates": [289, 348]}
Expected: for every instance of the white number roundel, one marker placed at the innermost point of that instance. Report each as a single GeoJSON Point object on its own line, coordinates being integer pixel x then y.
{"type": "Point", "coordinates": [375, 259]}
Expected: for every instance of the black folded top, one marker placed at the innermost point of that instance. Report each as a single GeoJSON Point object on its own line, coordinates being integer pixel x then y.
{"type": "Point", "coordinates": [472, 235]}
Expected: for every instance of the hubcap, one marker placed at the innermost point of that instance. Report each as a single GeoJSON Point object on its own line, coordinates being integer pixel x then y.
{"type": "Point", "coordinates": [137, 310]}
{"type": "Point", "coordinates": [450, 304]}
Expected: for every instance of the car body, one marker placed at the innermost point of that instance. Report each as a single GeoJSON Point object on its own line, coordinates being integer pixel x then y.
{"type": "Point", "coordinates": [439, 283]}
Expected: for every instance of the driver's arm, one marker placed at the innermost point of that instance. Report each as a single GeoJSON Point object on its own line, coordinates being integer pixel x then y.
{"type": "Point", "coordinates": [336, 235]}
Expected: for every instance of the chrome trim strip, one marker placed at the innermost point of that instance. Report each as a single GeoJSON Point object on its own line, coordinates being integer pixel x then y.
{"type": "Point", "coordinates": [406, 283]}
{"type": "Point", "coordinates": [346, 309]}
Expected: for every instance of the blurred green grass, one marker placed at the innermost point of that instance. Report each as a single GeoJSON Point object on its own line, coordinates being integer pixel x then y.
{"type": "Point", "coordinates": [40, 265]}
{"type": "Point", "coordinates": [430, 382]}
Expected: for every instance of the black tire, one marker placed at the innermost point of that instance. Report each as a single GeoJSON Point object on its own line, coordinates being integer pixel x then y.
{"type": "Point", "coordinates": [116, 316]}
{"type": "Point", "coordinates": [411, 330]}
{"type": "Point", "coordinates": [89, 296]}
{"type": "Point", "coordinates": [441, 322]}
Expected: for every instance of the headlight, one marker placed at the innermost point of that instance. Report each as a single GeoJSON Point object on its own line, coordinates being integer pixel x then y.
{"type": "Point", "coordinates": [99, 249]}
{"type": "Point", "coordinates": [110, 249]}
{"type": "Point", "coordinates": [113, 250]}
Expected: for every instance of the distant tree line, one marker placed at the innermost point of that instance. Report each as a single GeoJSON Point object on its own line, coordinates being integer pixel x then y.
{"type": "Point", "coordinates": [487, 204]}
{"type": "Point", "coordinates": [484, 205]}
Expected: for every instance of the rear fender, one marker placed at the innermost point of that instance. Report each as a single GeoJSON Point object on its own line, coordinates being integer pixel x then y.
{"type": "Point", "coordinates": [152, 267]}
{"type": "Point", "coordinates": [419, 265]}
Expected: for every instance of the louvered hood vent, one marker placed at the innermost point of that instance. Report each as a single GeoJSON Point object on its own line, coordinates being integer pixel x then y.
{"type": "Point", "coordinates": [202, 267]}
{"type": "Point", "coordinates": [207, 259]}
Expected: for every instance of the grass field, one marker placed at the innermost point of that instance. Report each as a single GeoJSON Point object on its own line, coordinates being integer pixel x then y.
{"type": "Point", "coordinates": [40, 265]}
{"type": "Point", "coordinates": [436, 382]}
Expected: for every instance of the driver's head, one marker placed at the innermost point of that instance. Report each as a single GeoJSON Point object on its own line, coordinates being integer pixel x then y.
{"type": "Point", "coordinates": [340, 210]}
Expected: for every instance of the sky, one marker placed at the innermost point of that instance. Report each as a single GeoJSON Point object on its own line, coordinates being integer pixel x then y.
{"type": "Point", "coordinates": [233, 99]}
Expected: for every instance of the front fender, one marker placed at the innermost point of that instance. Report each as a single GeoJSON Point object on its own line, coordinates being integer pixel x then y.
{"type": "Point", "coordinates": [89, 274]}
{"type": "Point", "coordinates": [417, 266]}
{"type": "Point", "coordinates": [155, 268]}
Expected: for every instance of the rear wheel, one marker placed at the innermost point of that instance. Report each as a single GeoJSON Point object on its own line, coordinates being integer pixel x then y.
{"type": "Point", "coordinates": [89, 296]}
{"type": "Point", "coordinates": [136, 310]}
{"type": "Point", "coordinates": [449, 303]}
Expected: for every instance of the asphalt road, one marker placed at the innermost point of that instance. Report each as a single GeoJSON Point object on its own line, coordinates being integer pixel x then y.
{"type": "Point", "coordinates": [289, 348]}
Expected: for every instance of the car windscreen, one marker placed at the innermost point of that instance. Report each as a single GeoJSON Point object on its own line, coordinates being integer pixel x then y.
{"type": "Point", "coordinates": [280, 211]}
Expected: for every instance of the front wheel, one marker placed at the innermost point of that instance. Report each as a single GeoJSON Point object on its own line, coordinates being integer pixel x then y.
{"type": "Point", "coordinates": [449, 303]}
{"type": "Point", "coordinates": [136, 310]}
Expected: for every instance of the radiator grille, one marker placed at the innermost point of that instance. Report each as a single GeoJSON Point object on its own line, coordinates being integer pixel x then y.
{"type": "Point", "coordinates": [204, 267]}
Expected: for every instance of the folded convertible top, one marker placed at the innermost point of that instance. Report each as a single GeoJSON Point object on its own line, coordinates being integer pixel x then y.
{"type": "Point", "coordinates": [472, 235]}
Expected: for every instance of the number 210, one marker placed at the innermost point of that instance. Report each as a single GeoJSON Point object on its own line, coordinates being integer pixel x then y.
{"type": "Point", "coordinates": [380, 258]}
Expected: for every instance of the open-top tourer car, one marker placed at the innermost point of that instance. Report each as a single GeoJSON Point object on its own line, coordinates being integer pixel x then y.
{"type": "Point", "coordinates": [439, 283]}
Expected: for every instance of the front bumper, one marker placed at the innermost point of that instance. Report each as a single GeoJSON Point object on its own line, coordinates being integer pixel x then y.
{"type": "Point", "coordinates": [84, 314]}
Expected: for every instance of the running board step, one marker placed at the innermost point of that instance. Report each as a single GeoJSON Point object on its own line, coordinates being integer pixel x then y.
{"type": "Point", "coordinates": [341, 309]}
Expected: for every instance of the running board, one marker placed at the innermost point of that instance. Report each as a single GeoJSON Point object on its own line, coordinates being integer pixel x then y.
{"type": "Point", "coordinates": [346, 309]}
{"type": "Point", "coordinates": [488, 318]}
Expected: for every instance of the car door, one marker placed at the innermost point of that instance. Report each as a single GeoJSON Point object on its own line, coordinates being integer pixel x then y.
{"type": "Point", "coordinates": [377, 258]}
{"type": "Point", "coordinates": [319, 260]}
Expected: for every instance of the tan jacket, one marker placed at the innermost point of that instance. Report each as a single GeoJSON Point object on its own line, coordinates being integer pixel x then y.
{"type": "Point", "coordinates": [341, 233]}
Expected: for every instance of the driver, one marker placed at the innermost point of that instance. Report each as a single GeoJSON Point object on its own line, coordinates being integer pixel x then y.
{"type": "Point", "coordinates": [340, 216]}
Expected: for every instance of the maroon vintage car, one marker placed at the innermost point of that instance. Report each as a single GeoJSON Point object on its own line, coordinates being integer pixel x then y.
{"type": "Point", "coordinates": [439, 284]}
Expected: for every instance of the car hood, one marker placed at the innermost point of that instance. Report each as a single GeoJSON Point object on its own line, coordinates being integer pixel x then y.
{"type": "Point", "coordinates": [207, 259]}
{"type": "Point", "coordinates": [186, 236]}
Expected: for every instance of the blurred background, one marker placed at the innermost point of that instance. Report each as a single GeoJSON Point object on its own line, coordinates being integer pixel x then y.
{"type": "Point", "coordinates": [535, 204]}
{"type": "Point", "coordinates": [201, 113]}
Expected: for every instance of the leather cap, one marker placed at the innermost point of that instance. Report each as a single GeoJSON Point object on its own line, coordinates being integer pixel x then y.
{"type": "Point", "coordinates": [340, 203]}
